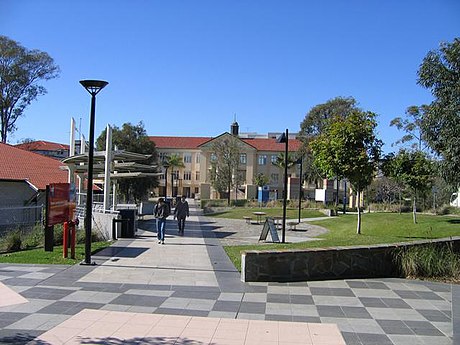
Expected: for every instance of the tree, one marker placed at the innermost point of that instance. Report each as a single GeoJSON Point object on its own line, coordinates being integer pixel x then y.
{"type": "Point", "coordinates": [224, 168]}
{"type": "Point", "coordinates": [21, 70]}
{"type": "Point", "coordinates": [174, 161]}
{"type": "Point", "coordinates": [349, 145]}
{"type": "Point", "coordinates": [261, 180]}
{"type": "Point", "coordinates": [414, 170]}
{"type": "Point", "coordinates": [440, 73]}
{"type": "Point", "coordinates": [132, 138]}
{"type": "Point", "coordinates": [411, 125]}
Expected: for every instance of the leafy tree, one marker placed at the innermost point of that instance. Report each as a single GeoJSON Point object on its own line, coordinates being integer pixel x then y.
{"type": "Point", "coordinates": [174, 161]}
{"type": "Point", "coordinates": [414, 170]}
{"type": "Point", "coordinates": [21, 70]}
{"type": "Point", "coordinates": [132, 138]}
{"type": "Point", "coordinates": [224, 169]}
{"type": "Point", "coordinates": [261, 180]}
{"type": "Point", "coordinates": [411, 125]}
{"type": "Point", "coordinates": [440, 73]}
{"type": "Point", "coordinates": [349, 145]}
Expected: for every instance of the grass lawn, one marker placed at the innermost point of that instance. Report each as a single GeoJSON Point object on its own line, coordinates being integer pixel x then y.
{"type": "Point", "coordinates": [376, 228]}
{"type": "Point", "coordinates": [240, 212]}
{"type": "Point", "coordinates": [39, 256]}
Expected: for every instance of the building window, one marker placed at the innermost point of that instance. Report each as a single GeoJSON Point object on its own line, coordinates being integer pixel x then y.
{"type": "Point", "coordinates": [213, 157]}
{"type": "Point", "coordinates": [274, 178]}
{"type": "Point", "coordinates": [274, 157]}
{"type": "Point", "coordinates": [187, 158]}
{"type": "Point", "coordinates": [187, 175]}
{"type": "Point", "coordinates": [262, 159]}
{"type": "Point", "coordinates": [197, 190]}
{"type": "Point", "coordinates": [197, 176]}
{"type": "Point", "coordinates": [162, 156]}
{"type": "Point", "coordinates": [197, 160]}
{"type": "Point", "coordinates": [243, 158]}
{"type": "Point", "coordinates": [175, 174]}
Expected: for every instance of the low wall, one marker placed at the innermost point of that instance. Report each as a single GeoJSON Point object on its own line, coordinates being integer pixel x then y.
{"type": "Point", "coordinates": [102, 222]}
{"type": "Point", "coordinates": [326, 263]}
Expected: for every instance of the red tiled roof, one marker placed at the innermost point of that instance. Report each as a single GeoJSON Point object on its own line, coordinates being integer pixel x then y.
{"type": "Point", "coordinates": [260, 144]}
{"type": "Point", "coordinates": [178, 142]}
{"type": "Point", "coordinates": [42, 145]}
{"type": "Point", "coordinates": [17, 164]}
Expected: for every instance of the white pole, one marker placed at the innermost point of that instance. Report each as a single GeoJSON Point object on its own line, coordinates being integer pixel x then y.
{"type": "Point", "coordinates": [107, 170]}
{"type": "Point", "coordinates": [72, 137]}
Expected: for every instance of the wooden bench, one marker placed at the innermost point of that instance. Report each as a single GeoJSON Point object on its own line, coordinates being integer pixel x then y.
{"type": "Point", "coordinates": [292, 225]}
{"type": "Point", "coordinates": [247, 219]}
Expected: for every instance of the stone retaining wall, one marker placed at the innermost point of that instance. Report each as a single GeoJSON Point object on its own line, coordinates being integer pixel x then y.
{"type": "Point", "coordinates": [326, 263]}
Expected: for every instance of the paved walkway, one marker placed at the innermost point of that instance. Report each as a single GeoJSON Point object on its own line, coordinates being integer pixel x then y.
{"type": "Point", "coordinates": [187, 292]}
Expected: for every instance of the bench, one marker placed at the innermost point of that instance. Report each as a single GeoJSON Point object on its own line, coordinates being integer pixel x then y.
{"type": "Point", "coordinates": [292, 225]}
{"type": "Point", "coordinates": [247, 219]}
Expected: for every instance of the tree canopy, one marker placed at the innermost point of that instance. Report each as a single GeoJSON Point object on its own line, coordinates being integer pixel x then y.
{"type": "Point", "coordinates": [132, 138]}
{"type": "Point", "coordinates": [349, 147]}
{"type": "Point", "coordinates": [440, 73]}
{"type": "Point", "coordinates": [21, 70]}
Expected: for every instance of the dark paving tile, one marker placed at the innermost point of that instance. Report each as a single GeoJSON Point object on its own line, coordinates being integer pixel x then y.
{"type": "Point", "coordinates": [278, 298]}
{"type": "Point", "coordinates": [302, 299]}
{"type": "Point", "coordinates": [53, 294]}
{"type": "Point", "coordinates": [423, 328]}
{"type": "Point", "coordinates": [374, 339]}
{"type": "Point", "coordinates": [139, 300]}
{"type": "Point", "coordinates": [252, 308]}
{"type": "Point", "coordinates": [68, 307]}
{"type": "Point", "coordinates": [396, 303]}
{"type": "Point", "coordinates": [377, 286]}
{"type": "Point", "coordinates": [193, 289]}
{"type": "Point", "coordinates": [256, 289]}
{"type": "Point", "coordinates": [21, 281]}
{"type": "Point", "coordinates": [356, 313]}
{"type": "Point", "coordinates": [169, 311]}
{"type": "Point", "coordinates": [191, 312]}
{"type": "Point", "coordinates": [330, 311]}
{"type": "Point", "coordinates": [407, 294]}
{"type": "Point", "coordinates": [434, 315]}
{"type": "Point", "coordinates": [357, 285]}
{"type": "Point", "coordinates": [230, 306]}
{"type": "Point", "coordinates": [372, 302]}
{"type": "Point", "coordinates": [278, 317]}
{"type": "Point", "coordinates": [196, 294]}
{"type": "Point", "coordinates": [337, 292]}
{"type": "Point", "coordinates": [7, 319]}
{"type": "Point", "coordinates": [427, 295]}
{"type": "Point", "coordinates": [395, 327]}
{"type": "Point", "coordinates": [312, 319]}
{"type": "Point", "coordinates": [351, 338]}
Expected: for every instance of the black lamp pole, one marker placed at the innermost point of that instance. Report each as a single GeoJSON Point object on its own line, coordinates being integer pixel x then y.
{"type": "Point", "coordinates": [166, 166]}
{"type": "Point", "coordinates": [299, 161]}
{"type": "Point", "coordinates": [93, 87]}
{"type": "Point", "coordinates": [284, 138]}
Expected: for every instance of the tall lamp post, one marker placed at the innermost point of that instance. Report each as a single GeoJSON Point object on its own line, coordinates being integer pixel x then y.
{"type": "Point", "coordinates": [166, 166]}
{"type": "Point", "coordinates": [284, 138]}
{"type": "Point", "coordinates": [93, 87]}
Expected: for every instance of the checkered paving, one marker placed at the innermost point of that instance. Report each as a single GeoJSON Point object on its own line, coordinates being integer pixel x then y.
{"type": "Point", "coordinates": [367, 311]}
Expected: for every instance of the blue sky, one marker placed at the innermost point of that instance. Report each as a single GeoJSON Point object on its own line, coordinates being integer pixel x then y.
{"type": "Point", "coordinates": [186, 67]}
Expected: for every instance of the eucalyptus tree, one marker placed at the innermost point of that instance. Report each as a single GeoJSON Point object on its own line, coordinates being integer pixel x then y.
{"type": "Point", "coordinates": [21, 71]}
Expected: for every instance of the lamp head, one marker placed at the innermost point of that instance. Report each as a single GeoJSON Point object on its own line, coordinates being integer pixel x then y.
{"type": "Point", "coordinates": [282, 138]}
{"type": "Point", "coordinates": [93, 86]}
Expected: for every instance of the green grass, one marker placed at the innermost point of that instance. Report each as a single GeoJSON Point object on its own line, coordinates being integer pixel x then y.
{"type": "Point", "coordinates": [39, 256]}
{"type": "Point", "coordinates": [240, 212]}
{"type": "Point", "coordinates": [376, 228]}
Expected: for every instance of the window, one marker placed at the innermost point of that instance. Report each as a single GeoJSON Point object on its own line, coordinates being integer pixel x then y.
{"type": "Point", "coordinates": [162, 156]}
{"type": "Point", "coordinates": [197, 160]}
{"type": "Point", "coordinates": [213, 157]}
{"type": "Point", "coordinates": [187, 158]}
{"type": "Point", "coordinates": [187, 175]}
{"type": "Point", "coordinates": [262, 159]}
{"type": "Point", "coordinates": [243, 158]}
{"type": "Point", "coordinates": [274, 159]}
{"type": "Point", "coordinates": [197, 175]}
{"type": "Point", "coordinates": [274, 178]}
{"type": "Point", "coordinates": [175, 174]}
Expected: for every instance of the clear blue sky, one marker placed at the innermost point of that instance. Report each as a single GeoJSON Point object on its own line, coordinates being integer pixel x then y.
{"type": "Point", "coordinates": [186, 67]}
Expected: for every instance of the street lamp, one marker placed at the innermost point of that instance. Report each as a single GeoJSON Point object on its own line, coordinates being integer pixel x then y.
{"type": "Point", "coordinates": [166, 166]}
{"type": "Point", "coordinates": [93, 87]}
{"type": "Point", "coordinates": [284, 138]}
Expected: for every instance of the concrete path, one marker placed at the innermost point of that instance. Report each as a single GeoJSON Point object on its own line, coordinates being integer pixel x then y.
{"type": "Point", "coordinates": [139, 284]}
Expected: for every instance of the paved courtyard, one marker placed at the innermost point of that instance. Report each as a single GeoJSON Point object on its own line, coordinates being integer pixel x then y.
{"type": "Point", "coordinates": [188, 292]}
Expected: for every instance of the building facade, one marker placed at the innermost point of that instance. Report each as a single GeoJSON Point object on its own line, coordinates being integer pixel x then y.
{"type": "Point", "coordinates": [257, 154]}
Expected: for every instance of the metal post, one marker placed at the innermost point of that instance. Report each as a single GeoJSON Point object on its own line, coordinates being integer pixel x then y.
{"type": "Point", "coordinates": [283, 238]}
{"type": "Point", "coordinates": [300, 188]}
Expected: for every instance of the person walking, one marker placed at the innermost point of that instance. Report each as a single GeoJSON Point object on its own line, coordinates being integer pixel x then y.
{"type": "Point", "coordinates": [161, 212]}
{"type": "Point", "coordinates": [181, 212]}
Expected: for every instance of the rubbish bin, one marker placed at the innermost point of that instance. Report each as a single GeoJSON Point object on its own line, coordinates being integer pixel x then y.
{"type": "Point", "coordinates": [128, 227]}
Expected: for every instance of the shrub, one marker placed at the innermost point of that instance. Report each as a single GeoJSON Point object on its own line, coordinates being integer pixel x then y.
{"type": "Point", "coordinates": [429, 261]}
{"type": "Point", "coordinates": [34, 238]}
{"type": "Point", "coordinates": [12, 241]}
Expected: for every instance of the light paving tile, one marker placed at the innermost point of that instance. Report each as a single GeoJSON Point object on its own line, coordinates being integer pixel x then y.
{"type": "Point", "coordinates": [378, 293]}
{"type": "Point", "coordinates": [248, 316]}
{"type": "Point", "coordinates": [91, 296]}
{"type": "Point", "coordinates": [304, 310]}
{"type": "Point", "coordinates": [255, 297]}
{"type": "Point", "coordinates": [140, 309]}
{"type": "Point", "coordinates": [230, 296]}
{"type": "Point", "coordinates": [342, 323]}
{"type": "Point", "coordinates": [115, 307]}
{"type": "Point", "coordinates": [200, 304]}
{"type": "Point", "coordinates": [365, 326]}
{"type": "Point", "coordinates": [222, 314]}
{"type": "Point", "coordinates": [33, 306]}
{"type": "Point", "coordinates": [278, 309]}
{"type": "Point", "coordinates": [37, 275]}
{"type": "Point", "coordinates": [30, 322]}
{"type": "Point", "coordinates": [161, 293]}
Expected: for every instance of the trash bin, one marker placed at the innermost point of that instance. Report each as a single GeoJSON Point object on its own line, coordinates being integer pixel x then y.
{"type": "Point", "coordinates": [128, 227]}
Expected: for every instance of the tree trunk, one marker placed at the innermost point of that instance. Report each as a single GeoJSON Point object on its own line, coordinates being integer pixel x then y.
{"type": "Point", "coordinates": [414, 210]}
{"type": "Point", "coordinates": [358, 227]}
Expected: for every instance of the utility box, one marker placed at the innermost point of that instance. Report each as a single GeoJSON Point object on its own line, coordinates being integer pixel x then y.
{"type": "Point", "coordinates": [263, 194]}
{"type": "Point", "coordinates": [129, 214]}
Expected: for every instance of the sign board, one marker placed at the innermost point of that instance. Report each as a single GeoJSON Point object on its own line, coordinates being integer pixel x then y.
{"type": "Point", "coordinates": [60, 203]}
{"type": "Point", "coordinates": [269, 225]}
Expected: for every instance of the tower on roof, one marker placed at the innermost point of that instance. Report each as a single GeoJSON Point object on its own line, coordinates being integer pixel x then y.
{"type": "Point", "coordinates": [234, 128]}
